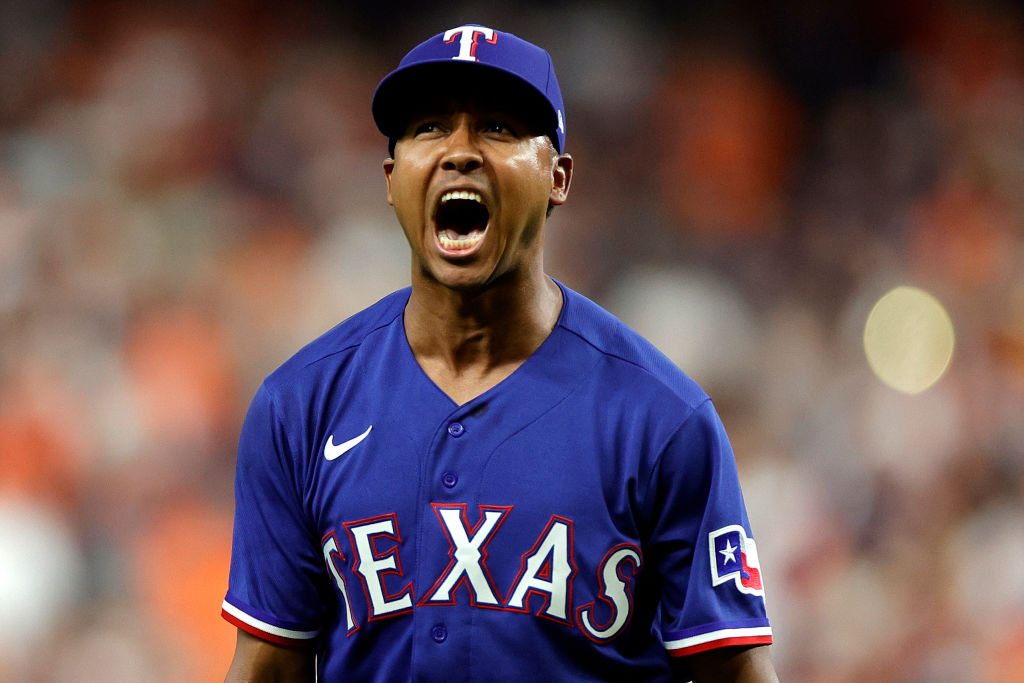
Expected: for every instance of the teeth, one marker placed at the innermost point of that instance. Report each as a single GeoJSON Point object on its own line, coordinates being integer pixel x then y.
{"type": "Point", "coordinates": [461, 242]}
{"type": "Point", "coordinates": [462, 194]}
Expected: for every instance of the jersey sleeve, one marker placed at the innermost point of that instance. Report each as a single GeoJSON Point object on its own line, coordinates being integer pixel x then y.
{"type": "Point", "coordinates": [275, 589]}
{"type": "Point", "coordinates": [712, 593]}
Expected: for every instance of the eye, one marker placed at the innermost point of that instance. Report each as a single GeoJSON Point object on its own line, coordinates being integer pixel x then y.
{"type": "Point", "coordinates": [498, 127]}
{"type": "Point", "coordinates": [426, 127]}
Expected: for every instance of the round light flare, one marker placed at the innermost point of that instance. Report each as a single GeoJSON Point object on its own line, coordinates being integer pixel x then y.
{"type": "Point", "coordinates": [908, 339]}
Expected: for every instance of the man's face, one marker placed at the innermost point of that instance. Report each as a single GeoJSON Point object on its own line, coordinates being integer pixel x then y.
{"type": "Point", "coordinates": [470, 183]}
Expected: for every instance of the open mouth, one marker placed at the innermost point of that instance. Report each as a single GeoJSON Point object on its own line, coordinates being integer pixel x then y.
{"type": "Point", "coordinates": [461, 220]}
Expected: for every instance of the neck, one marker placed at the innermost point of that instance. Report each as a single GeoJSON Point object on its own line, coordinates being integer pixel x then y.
{"type": "Point", "coordinates": [468, 341]}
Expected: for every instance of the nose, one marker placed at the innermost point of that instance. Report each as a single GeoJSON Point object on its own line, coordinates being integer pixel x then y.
{"type": "Point", "coordinates": [461, 154]}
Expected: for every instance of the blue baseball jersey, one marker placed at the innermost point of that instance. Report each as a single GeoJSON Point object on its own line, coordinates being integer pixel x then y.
{"type": "Point", "coordinates": [582, 520]}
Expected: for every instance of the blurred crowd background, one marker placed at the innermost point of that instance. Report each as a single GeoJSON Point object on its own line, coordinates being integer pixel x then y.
{"type": "Point", "coordinates": [190, 191]}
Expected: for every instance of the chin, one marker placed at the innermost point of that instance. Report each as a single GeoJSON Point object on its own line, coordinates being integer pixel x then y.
{"type": "Point", "coordinates": [458, 278]}
{"type": "Point", "coordinates": [467, 285]}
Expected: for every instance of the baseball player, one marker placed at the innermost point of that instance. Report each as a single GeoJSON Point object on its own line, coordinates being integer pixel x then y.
{"type": "Point", "coordinates": [486, 476]}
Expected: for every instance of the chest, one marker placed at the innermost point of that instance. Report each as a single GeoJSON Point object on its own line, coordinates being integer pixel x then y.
{"type": "Point", "coordinates": [406, 461]}
{"type": "Point", "coordinates": [483, 494]}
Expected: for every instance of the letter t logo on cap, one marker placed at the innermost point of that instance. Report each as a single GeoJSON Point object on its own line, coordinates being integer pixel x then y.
{"type": "Point", "coordinates": [468, 40]}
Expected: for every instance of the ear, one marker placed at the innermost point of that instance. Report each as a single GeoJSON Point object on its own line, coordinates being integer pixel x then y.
{"type": "Point", "coordinates": [389, 168]}
{"type": "Point", "coordinates": [561, 179]}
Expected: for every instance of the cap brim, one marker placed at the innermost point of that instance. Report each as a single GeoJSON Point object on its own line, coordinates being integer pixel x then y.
{"type": "Point", "coordinates": [407, 89]}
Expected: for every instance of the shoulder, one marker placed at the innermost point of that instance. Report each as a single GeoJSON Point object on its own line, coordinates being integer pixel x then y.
{"type": "Point", "coordinates": [332, 349]}
{"type": "Point", "coordinates": [627, 353]}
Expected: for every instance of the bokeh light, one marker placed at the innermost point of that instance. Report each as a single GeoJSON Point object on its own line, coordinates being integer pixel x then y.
{"type": "Point", "coordinates": [909, 339]}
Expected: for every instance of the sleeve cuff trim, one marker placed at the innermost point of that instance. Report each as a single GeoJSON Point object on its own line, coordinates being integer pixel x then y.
{"type": "Point", "coordinates": [721, 638]}
{"type": "Point", "coordinates": [262, 629]}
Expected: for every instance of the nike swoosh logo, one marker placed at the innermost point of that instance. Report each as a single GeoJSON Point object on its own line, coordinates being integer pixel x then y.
{"type": "Point", "coordinates": [333, 451]}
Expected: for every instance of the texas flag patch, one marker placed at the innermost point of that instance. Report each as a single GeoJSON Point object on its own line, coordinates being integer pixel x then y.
{"type": "Point", "coordinates": [734, 558]}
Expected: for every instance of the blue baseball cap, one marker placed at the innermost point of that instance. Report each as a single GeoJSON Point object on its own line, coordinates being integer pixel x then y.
{"type": "Point", "coordinates": [472, 52]}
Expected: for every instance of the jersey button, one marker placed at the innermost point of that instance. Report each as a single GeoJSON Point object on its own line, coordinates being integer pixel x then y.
{"type": "Point", "coordinates": [439, 633]}
{"type": "Point", "coordinates": [456, 429]}
{"type": "Point", "coordinates": [449, 479]}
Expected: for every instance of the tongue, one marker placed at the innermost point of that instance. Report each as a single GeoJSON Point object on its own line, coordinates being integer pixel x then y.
{"type": "Point", "coordinates": [450, 234]}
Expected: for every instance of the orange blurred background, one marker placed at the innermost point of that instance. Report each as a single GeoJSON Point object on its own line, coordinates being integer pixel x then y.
{"type": "Point", "coordinates": [191, 191]}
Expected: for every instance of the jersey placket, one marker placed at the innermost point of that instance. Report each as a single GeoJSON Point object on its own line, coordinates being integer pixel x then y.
{"type": "Point", "coordinates": [443, 620]}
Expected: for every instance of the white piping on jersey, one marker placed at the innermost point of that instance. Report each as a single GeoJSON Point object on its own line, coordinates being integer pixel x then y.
{"type": "Point", "coordinates": [265, 627]}
{"type": "Point", "coordinates": [723, 634]}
